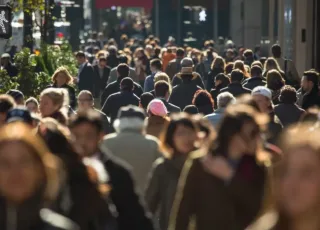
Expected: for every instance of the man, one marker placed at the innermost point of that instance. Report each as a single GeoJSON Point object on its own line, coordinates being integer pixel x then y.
{"type": "Point", "coordinates": [17, 96]}
{"type": "Point", "coordinates": [289, 68]}
{"type": "Point", "coordinates": [7, 65]}
{"type": "Point", "coordinates": [155, 66]}
{"type": "Point", "coordinates": [248, 57]}
{"type": "Point", "coordinates": [224, 99]}
{"type": "Point", "coordinates": [174, 66]}
{"type": "Point", "coordinates": [102, 72]}
{"type": "Point", "coordinates": [86, 102]}
{"type": "Point", "coordinates": [162, 92]}
{"type": "Point", "coordinates": [85, 77]}
{"type": "Point", "coordinates": [235, 87]}
{"type": "Point", "coordinates": [132, 72]}
{"type": "Point", "coordinates": [256, 78]}
{"type": "Point", "coordinates": [6, 104]}
{"type": "Point", "coordinates": [139, 150]}
{"type": "Point", "coordinates": [310, 95]}
{"type": "Point", "coordinates": [114, 87]}
{"type": "Point", "coordinates": [87, 128]}
{"type": "Point", "coordinates": [123, 98]}
{"type": "Point", "coordinates": [188, 63]}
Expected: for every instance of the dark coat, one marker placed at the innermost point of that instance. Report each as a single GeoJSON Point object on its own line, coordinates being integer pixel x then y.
{"type": "Point", "coordinates": [311, 99]}
{"type": "Point", "coordinates": [274, 129]}
{"type": "Point", "coordinates": [11, 69]}
{"type": "Point", "coordinates": [100, 82]}
{"type": "Point", "coordinates": [118, 100]}
{"type": "Point", "coordinates": [182, 94]}
{"type": "Point", "coordinates": [155, 125]}
{"type": "Point", "coordinates": [86, 78]}
{"type": "Point", "coordinates": [173, 67]}
{"type": "Point", "coordinates": [170, 107]}
{"type": "Point", "coordinates": [236, 89]}
{"type": "Point", "coordinates": [214, 93]}
{"type": "Point", "coordinates": [196, 78]}
{"type": "Point", "coordinates": [288, 113]}
{"type": "Point", "coordinates": [72, 94]}
{"type": "Point", "coordinates": [211, 76]}
{"type": "Point", "coordinates": [114, 87]}
{"type": "Point", "coordinates": [253, 82]}
{"type": "Point", "coordinates": [113, 61]}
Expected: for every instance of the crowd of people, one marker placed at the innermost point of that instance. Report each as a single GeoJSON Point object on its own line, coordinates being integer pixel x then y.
{"type": "Point", "coordinates": [164, 138]}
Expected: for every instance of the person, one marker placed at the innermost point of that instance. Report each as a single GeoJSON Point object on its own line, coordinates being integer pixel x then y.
{"type": "Point", "coordinates": [229, 68]}
{"type": "Point", "coordinates": [157, 118]}
{"type": "Point", "coordinates": [191, 110]}
{"type": "Point", "coordinates": [17, 96]}
{"type": "Point", "coordinates": [241, 66]}
{"type": "Point", "coordinates": [289, 181]}
{"type": "Point", "coordinates": [112, 58]}
{"type": "Point", "coordinates": [223, 100]}
{"type": "Point", "coordinates": [174, 66]}
{"type": "Point", "coordinates": [263, 97]}
{"type": "Point", "coordinates": [203, 101]}
{"type": "Point", "coordinates": [62, 79]}
{"type": "Point", "coordinates": [167, 56]}
{"type": "Point", "coordinates": [102, 72]}
{"type": "Point", "coordinates": [272, 64]}
{"type": "Point", "coordinates": [125, 97]}
{"type": "Point", "coordinates": [222, 186]}
{"type": "Point", "coordinates": [87, 128]}
{"type": "Point", "coordinates": [257, 52]}
{"type": "Point", "coordinates": [85, 78]}
{"type": "Point", "coordinates": [139, 150]}
{"type": "Point", "coordinates": [235, 87]}
{"type": "Point", "coordinates": [311, 116]}
{"type": "Point", "coordinates": [310, 95]}
{"type": "Point", "coordinates": [248, 57]}
{"type": "Point", "coordinates": [256, 78]}
{"type": "Point", "coordinates": [145, 99]}
{"type": "Point", "coordinates": [178, 141]}
{"type": "Point", "coordinates": [54, 103]}
{"type": "Point", "coordinates": [275, 82]}
{"type": "Point", "coordinates": [182, 94]}
{"type": "Point", "coordinates": [142, 65]}
{"type": "Point", "coordinates": [114, 87]}
{"type": "Point", "coordinates": [20, 114]}
{"type": "Point", "coordinates": [86, 102]}
{"type": "Point", "coordinates": [32, 105]}
{"type": "Point", "coordinates": [155, 66]}
{"type": "Point", "coordinates": [218, 66]}
{"type": "Point", "coordinates": [290, 71]}
{"type": "Point", "coordinates": [163, 92]}
{"type": "Point", "coordinates": [6, 104]}
{"type": "Point", "coordinates": [221, 81]}
{"type": "Point", "coordinates": [30, 179]}
{"type": "Point", "coordinates": [288, 111]}
{"type": "Point", "coordinates": [7, 65]}
{"type": "Point", "coordinates": [132, 73]}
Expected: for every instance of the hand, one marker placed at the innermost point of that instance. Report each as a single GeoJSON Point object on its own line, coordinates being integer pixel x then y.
{"type": "Point", "coordinates": [218, 166]}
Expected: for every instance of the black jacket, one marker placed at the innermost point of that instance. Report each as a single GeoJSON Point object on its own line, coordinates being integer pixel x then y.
{"type": "Point", "coordinates": [211, 76]}
{"type": "Point", "coordinates": [311, 99]}
{"type": "Point", "coordinates": [196, 78]}
{"type": "Point", "coordinates": [100, 82]}
{"type": "Point", "coordinates": [106, 124]}
{"type": "Point", "coordinates": [236, 89]}
{"type": "Point", "coordinates": [253, 82]}
{"type": "Point", "coordinates": [12, 70]}
{"type": "Point", "coordinates": [72, 94]}
{"type": "Point", "coordinates": [214, 93]}
{"type": "Point", "coordinates": [118, 100]}
{"type": "Point", "coordinates": [131, 213]}
{"type": "Point", "coordinates": [170, 107]}
{"type": "Point", "coordinates": [86, 78]}
{"type": "Point", "coordinates": [288, 113]}
{"type": "Point", "coordinates": [114, 87]}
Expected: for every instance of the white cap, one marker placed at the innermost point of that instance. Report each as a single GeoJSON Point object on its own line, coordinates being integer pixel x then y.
{"type": "Point", "coordinates": [261, 90]}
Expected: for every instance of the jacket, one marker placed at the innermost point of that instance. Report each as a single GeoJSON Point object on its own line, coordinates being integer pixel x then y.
{"type": "Point", "coordinates": [253, 82]}
{"type": "Point", "coordinates": [155, 125]}
{"type": "Point", "coordinates": [170, 107]}
{"type": "Point", "coordinates": [196, 78]}
{"type": "Point", "coordinates": [100, 82]}
{"type": "Point", "coordinates": [236, 89]}
{"type": "Point", "coordinates": [132, 74]}
{"type": "Point", "coordinates": [211, 77]}
{"type": "Point", "coordinates": [162, 186]}
{"type": "Point", "coordinates": [86, 78]}
{"type": "Point", "coordinates": [173, 67]}
{"type": "Point", "coordinates": [311, 99]}
{"type": "Point", "coordinates": [288, 113]}
{"type": "Point", "coordinates": [214, 94]}
{"type": "Point", "coordinates": [11, 69]}
{"type": "Point", "coordinates": [166, 58]}
{"type": "Point", "coordinates": [149, 83]}
{"type": "Point", "coordinates": [274, 129]}
{"type": "Point", "coordinates": [216, 117]}
{"type": "Point", "coordinates": [106, 124]}
{"type": "Point", "coordinates": [118, 100]}
{"type": "Point", "coordinates": [71, 92]}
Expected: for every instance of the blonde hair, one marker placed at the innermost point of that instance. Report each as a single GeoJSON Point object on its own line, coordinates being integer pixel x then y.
{"type": "Point", "coordinates": [218, 62]}
{"type": "Point", "coordinates": [240, 65]}
{"type": "Point", "coordinates": [271, 63]}
{"type": "Point", "coordinates": [64, 71]}
{"type": "Point", "coordinates": [58, 97]}
{"type": "Point", "coordinates": [161, 76]}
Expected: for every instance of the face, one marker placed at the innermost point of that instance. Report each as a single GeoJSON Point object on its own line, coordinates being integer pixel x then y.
{"type": "Point", "coordinates": [103, 63]}
{"type": "Point", "coordinates": [32, 107]}
{"type": "Point", "coordinates": [298, 184]}
{"type": "Point", "coordinates": [47, 106]}
{"type": "Point", "coordinates": [86, 139]}
{"type": "Point", "coordinates": [80, 60]}
{"type": "Point", "coordinates": [184, 139]}
{"type": "Point", "coordinates": [305, 84]}
{"type": "Point", "coordinates": [85, 101]}
{"type": "Point", "coordinates": [61, 79]}
{"type": "Point", "coordinates": [263, 103]}
{"type": "Point", "coordinates": [20, 172]}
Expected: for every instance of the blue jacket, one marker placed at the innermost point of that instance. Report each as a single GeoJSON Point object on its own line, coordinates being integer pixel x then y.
{"type": "Point", "coordinates": [216, 117]}
{"type": "Point", "coordinates": [149, 83]}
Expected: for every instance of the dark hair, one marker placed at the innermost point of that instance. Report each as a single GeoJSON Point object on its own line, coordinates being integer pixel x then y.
{"type": "Point", "coordinates": [127, 84]}
{"type": "Point", "coordinates": [80, 54]}
{"type": "Point", "coordinates": [145, 99]}
{"type": "Point", "coordinates": [180, 52]}
{"type": "Point", "coordinates": [229, 67]}
{"type": "Point", "coordinates": [248, 53]}
{"type": "Point", "coordinates": [157, 51]}
{"type": "Point", "coordinates": [123, 59]}
{"type": "Point", "coordinates": [161, 88]}
{"type": "Point", "coordinates": [90, 116]}
{"type": "Point", "coordinates": [6, 103]}
{"type": "Point", "coordinates": [191, 109]}
{"type": "Point", "coordinates": [123, 70]}
{"type": "Point", "coordinates": [225, 80]}
{"type": "Point", "coordinates": [288, 95]}
{"type": "Point", "coordinates": [276, 51]}
{"type": "Point", "coordinates": [237, 75]}
{"type": "Point", "coordinates": [257, 48]}
{"type": "Point", "coordinates": [310, 116]}
{"type": "Point", "coordinates": [248, 100]}
{"type": "Point", "coordinates": [313, 76]}
{"type": "Point", "coordinates": [256, 71]}
{"type": "Point", "coordinates": [275, 80]}
{"type": "Point", "coordinates": [156, 63]}
{"type": "Point", "coordinates": [202, 98]}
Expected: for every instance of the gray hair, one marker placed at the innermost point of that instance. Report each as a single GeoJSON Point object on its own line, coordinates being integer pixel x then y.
{"type": "Point", "coordinates": [224, 99]}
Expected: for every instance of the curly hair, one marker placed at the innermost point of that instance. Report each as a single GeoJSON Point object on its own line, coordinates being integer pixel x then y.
{"type": "Point", "coordinates": [65, 72]}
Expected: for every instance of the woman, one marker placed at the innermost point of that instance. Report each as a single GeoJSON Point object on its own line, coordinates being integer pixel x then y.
{"type": "Point", "coordinates": [240, 65]}
{"type": "Point", "coordinates": [142, 65]}
{"type": "Point", "coordinates": [32, 105]}
{"type": "Point", "coordinates": [54, 103]}
{"type": "Point", "coordinates": [157, 118]}
{"type": "Point", "coordinates": [294, 193]}
{"type": "Point", "coordinates": [275, 82]}
{"type": "Point", "coordinates": [62, 79]}
{"type": "Point", "coordinates": [229, 68]}
{"type": "Point", "coordinates": [178, 141]}
{"type": "Point", "coordinates": [222, 188]}
{"type": "Point", "coordinates": [272, 64]}
{"type": "Point", "coordinates": [218, 66]}
{"type": "Point", "coordinates": [203, 101]}
{"type": "Point", "coordinates": [221, 81]}
{"type": "Point", "coordinates": [30, 178]}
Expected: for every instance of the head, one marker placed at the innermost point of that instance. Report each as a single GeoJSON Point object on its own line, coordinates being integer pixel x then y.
{"type": "Point", "coordinates": [32, 105]}
{"type": "Point", "coordinates": [5, 59]}
{"type": "Point", "coordinates": [191, 110]}
{"type": "Point", "coordinates": [156, 65]}
{"type": "Point", "coordinates": [102, 62]}
{"type": "Point", "coordinates": [157, 108]}
{"type": "Point", "coordinates": [27, 169]}
{"type": "Point", "coordinates": [180, 53]}
{"type": "Point", "coordinates": [61, 77]}
{"type": "Point", "coordinates": [187, 63]}
{"type": "Point", "coordinates": [311, 116]}
{"type": "Point", "coordinates": [237, 76]}
{"type": "Point", "coordinates": [112, 50]}
{"type": "Point", "coordinates": [240, 66]}
{"type": "Point", "coordinates": [81, 57]}
{"type": "Point", "coordinates": [310, 80]}
{"type": "Point", "coordinates": [180, 135]}
{"type": "Point", "coordinates": [263, 97]}
{"type": "Point", "coordinates": [256, 63]}
{"type": "Point", "coordinates": [161, 76]}
{"type": "Point", "coordinates": [20, 114]}
{"type": "Point", "coordinates": [145, 99]}
{"type": "Point", "coordinates": [127, 84]}
{"type": "Point", "coordinates": [248, 54]}
{"type": "Point", "coordinates": [288, 95]}
{"type": "Point", "coordinates": [123, 59]}
{"type": "Point", "coordinates": [221, 80]}
{"type": "Point", "coordinates": [53, 100]}
{"type": "Point", "coordinates": [123, 71]}
{"type": "Point", "coordinates": [256, 71]}
{"type": "Point", "coordinates": [17, 96]}
{"type": "Point", "coordinates": [276, 51]}
{"type": "Point", "coordinates": [224, 99]}
{"type": "Point", "coordinates": [202, 98]}
{"type": "Point", "coordinates": [85, 100]}
{"type": "Point", "coordinates": [257, 50]}
{"type": "Point", "coordinates": [271, 64]}
{"type": "Point", "coordinates": [218, 62]}
{"type": "Point", "coordinates": [275, 80]}
{"type": "Point", "coordinates": [6, 104]}
{"type": "Point", "coordinates": [229, 68]}
{"type": "Point", "coordinates": [230, 53]}
{"type": "Point", "coordinates": [162, 89]}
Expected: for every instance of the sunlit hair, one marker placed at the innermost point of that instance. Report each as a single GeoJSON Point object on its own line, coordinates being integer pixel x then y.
{"type": "Point", "coordinates": [271, 64]}
{"type": "Point", "coordinates": [275, 80]}
{"type": "Point", "coordinates": [32, 100]}
{"type": "Point", "coordinates": [161, 76]}
{"type": "Point", "coordinates": [240, 65]}
{"type": "Point", "coordinates": [62, 70]}
{"type": "Point", "coordinates": [19, 132]}
{"type": "Point", "coordinates": [257, 63]}
{"type": "Point", "coordinates": [59, 97]}
{"type": "Point", "coordinates": [218, 62]}
{"type": "Point", "coordinates": [202, 98]}
{"type": "Point", "coordinates": [229, 68]}
{"type": "Point", "coordinates": [102, 53]}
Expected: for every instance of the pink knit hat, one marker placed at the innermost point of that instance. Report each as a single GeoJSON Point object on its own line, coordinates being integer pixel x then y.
{"type": "Point", "coordinates": [157, 108]}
